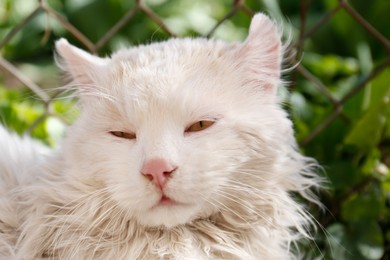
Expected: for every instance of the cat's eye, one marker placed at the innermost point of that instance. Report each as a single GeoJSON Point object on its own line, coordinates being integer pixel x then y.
{"type": "Point", "coordinates": [199, 126]}
{"type": "Point", "coordinates": [124, 135]}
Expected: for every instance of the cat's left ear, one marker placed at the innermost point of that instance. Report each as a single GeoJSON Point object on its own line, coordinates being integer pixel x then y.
{"type": "Point", "coordinates": [83, 67]}
{"type": "Point", "coordinates": [260, 55]}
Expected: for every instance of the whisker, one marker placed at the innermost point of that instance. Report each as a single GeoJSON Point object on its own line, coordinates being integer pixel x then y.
{"type": "Point", "coordinates": [68, 211]}
{"type": "Point", "coordinates": [242, 203]}
{"type": "Point", "coordinates": [219, 204]}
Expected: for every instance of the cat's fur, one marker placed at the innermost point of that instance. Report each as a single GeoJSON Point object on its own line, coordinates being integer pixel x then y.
{"type": "Point", "coordinates": [235, 180]}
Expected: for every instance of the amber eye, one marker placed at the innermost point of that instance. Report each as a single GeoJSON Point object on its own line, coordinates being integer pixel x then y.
{"type": "Point", "coordinates": [124, 135]}
{"type": "Point", "coordinates": [199, 126]}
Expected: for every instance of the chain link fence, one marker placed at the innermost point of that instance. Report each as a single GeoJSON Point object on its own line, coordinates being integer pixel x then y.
{"type": "Point", "coordinates": [238, 6]}
{"type": "Point", "coordinates": [307, 28]}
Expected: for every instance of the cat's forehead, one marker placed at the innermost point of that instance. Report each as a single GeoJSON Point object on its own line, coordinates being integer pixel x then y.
{"type": "Point", "coordinates": [161, 70]}
{"type": "Point", "coordinates": [173, 52]}
{"type": "Point", "coordinates": [179, 78]}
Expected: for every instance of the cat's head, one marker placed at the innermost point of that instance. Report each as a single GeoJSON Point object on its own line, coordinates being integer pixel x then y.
{"type": "Point", "coordinates": [182, 129]}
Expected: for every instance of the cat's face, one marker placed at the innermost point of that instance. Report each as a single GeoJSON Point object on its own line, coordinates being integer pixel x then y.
{"type": "Point", "coordinates": [177, 131]}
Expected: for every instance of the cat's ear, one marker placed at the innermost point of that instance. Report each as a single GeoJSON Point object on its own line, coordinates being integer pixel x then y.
{"type": "Point", "coordinates": [81, 66]}
{"type": "Point", "coordinates": [260, 55]}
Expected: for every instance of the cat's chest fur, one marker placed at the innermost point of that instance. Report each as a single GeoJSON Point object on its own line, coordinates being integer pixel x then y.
{"type": "Point", "coordinates": [181, 151]}
{"type": "Point", "coordinates": [72, 231]}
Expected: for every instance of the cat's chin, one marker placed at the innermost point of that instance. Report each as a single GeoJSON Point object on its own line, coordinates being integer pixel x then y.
{"type": "Point", "coordinates": [168, 213]}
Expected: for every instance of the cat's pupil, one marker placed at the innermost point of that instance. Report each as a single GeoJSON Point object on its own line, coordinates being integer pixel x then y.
{"type": "Point", "coordinates": [199, 126]}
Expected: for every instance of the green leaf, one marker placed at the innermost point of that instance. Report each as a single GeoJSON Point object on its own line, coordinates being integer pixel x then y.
{"type": "Point", "coordinates": [369, 240]}
{"type": "Point", "coordinates": [55, 130]}
{"type": "Point", "coordinates": [361, 240]}
{"type": "Point", "coordinates": [343, 174]}
{"type": "Point", "coordinates": [338, 242]}
{"type": "Point", "coordinates": [367, 132]}
{"type": "Point", "coordinates": [366, 206]}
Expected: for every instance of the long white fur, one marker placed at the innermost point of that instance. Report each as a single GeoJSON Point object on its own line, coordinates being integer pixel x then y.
{"type": "Point", "coordinates": [234, 180]}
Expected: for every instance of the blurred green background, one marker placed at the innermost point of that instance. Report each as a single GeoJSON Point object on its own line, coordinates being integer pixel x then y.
{"type": "Point", "coordinates": [338, 96]}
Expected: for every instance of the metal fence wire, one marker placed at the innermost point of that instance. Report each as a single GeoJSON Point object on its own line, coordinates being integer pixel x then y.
{"type": "Point", "coordinates": [238, 6]}
{"type": "Point", "coordinates": [11, 69]}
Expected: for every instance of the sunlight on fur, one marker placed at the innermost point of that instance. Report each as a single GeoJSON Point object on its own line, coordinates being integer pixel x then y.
{"type": "Point", "coordinates": [181, 151]}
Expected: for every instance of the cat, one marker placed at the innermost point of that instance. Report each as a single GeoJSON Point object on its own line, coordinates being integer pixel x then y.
{"type": "Point", "coordinates": [182, 150]}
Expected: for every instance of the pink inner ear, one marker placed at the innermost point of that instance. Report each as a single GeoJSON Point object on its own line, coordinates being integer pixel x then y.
{"type": "Point", "coordinates": [275, 48]}
{"type": "Point", "coordinates": [260, 55]}
{"type": "Point", "coordinates": [79, 64]}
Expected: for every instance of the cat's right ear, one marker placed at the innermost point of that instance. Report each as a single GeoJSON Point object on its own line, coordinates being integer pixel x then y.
{"type": "Point", "coordinates": [83, 67]}
{"type": "Point", "coordinates": [260, 55]}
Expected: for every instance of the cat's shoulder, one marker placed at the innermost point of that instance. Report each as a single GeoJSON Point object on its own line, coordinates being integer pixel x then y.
{"type": "Point", "coordinates": [18, 155]}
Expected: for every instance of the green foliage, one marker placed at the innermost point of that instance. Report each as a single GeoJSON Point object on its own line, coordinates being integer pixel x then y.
{"type": "Point", "coordinates": [20, 112]}
{"type": "Point", "coordinates": [354, 149]}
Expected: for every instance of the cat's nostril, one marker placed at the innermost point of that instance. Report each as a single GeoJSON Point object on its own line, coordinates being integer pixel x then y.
{"type": "Point", "coordinates": [168, 174]}
{"type": "Point", "coordinates": [149, 176]}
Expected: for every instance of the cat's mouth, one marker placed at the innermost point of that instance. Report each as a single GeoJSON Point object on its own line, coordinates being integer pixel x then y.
{"type": "Point", "coordinates": [167, 201]}
{"type": "Point", "coordinates": [168, 212]}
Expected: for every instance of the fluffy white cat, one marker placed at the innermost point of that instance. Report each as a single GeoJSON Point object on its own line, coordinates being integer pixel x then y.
{"type": "Point", "coordinates": [181, 151]}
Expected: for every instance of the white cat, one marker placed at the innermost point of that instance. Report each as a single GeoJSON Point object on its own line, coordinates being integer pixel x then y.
{"type": "Point", "coordinates": [181, 151]}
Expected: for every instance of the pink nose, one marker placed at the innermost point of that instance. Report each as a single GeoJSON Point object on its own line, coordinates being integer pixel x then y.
{"type": "Point", "coordinates": [158, 171]}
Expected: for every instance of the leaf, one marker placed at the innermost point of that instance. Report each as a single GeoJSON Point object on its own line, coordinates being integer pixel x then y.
{"type": "Point", "coordinates": [343, 174]}
{"type": "Point", "coordinates": [367, 132]}
{"type": "Point", "coordinates": [55, 130]}
{"type": "Point", "coordinates": [369, 240]}
{"type": "Point", "coordinates": [338, 242]}
{"type": "Point", "coordinates": [365, 206]}
{"type": "Point", "coordinates": [358, 240]}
